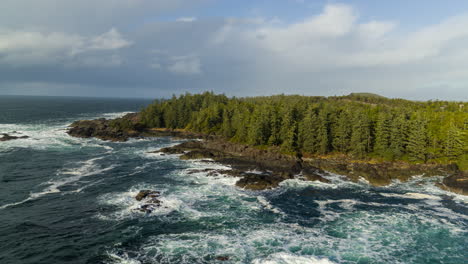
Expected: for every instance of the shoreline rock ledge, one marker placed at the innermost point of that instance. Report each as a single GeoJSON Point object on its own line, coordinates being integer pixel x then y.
{"type": "Point", "coordinates": [271, 166]}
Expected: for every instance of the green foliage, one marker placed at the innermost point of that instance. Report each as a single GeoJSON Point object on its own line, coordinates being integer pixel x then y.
{"type": "Point", "coordinates": [361, 124]}
{"type": "Point", "coordinates": [343, 130]}
{"type": "Point", "coordinates": [361, 135]}
{"type": "Point", "coordinates": [417, 147]}
{"type": "Point", "coordinates": [121, 124]}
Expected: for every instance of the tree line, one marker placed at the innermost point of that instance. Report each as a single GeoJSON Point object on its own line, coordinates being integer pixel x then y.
{"type": "Point", "coordinates": [359, 125]}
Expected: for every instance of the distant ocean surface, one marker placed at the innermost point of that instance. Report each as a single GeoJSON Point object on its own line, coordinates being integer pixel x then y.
{"type": "Point", "coordinates": [71, 200]}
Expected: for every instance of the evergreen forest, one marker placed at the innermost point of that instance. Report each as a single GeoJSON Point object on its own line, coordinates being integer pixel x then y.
{"type": "Point", "coordinates": [362, 126]}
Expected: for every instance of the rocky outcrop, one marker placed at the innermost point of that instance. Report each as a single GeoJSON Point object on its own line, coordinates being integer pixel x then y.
{"type": "Point", "coordinates": [457, 183]}
{"type": "Point", "coordinates": [150, 199]}
{"type": "Point", "coordinates": [274, 166]}
{"type": "Point", "coordinates": [6, 137]}
{"type": "Point", "coordinates": [143, 194]}
{"type": "Point", "coordinates": [258, 169]}
{"type": "Point", "coordinates": [121, 129]}
{"type": "Point", "coordinates": [382, 173]}
{"type": "Point", "coordinates": [99, 128]}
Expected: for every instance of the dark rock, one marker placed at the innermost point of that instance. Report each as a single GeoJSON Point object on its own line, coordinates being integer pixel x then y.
{"type": "Point", "coordinates": [7, 137]}
{"type": "Point", "coordinates": [222, 258]}
{"type": "Point", "coordinates": [148, 208]}
{"type": "Point", "coordinates": [313, 174]}
{"type": "Point", "coordinates": [381, 173]}
{"type": "Point", "coordinates": [146, 193]}
{"type": "Point", "coordinates": [457, 183]}
{"type": "Point", "coordinates": [259, 181]}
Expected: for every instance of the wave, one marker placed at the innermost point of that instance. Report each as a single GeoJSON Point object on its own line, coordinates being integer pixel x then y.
{"type": "Point", "coordinates": [67, 176]}
{"type": "Point", "coordinates": [128, 206]}
{"type": "Point", "coordinates": [285, 258]}
{"type": "Point", "coordinates": [125, 259]}
{"type": "Point", "coordinates": [49, 135]}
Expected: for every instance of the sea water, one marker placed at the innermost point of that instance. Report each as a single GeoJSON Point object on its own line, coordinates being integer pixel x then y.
{"type": "Point", "coordinates": [71, 200]}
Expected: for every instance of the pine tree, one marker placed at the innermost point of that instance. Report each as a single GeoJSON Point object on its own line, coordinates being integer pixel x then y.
{"type": "Point", "coordinates": [275, 126]}
{"type": "Point", "coordinates": [454, 143]}
{"type": "Point", "coordinates": [382, 135]}
{"type": "Point", "coordinates": [289, 130]}
{"type": "Point", "coordinates": [418, 139]}
{"type": "Point", "coordinates": [308, 131]}
{"type": "Point", "coordinates": [226, 128]}
{"type": "Point", "coordinates": [323, 135]}
{"type": "Point", "coordinates": [398, 135]}
{"type": "Point", "coordinates": [361, 134]}
{"type": "Point", "coordinates": [342, 138]}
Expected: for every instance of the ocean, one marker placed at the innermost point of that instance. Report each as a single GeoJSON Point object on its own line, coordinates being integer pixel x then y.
{"type": "Point", "coordinates": [71, 200]}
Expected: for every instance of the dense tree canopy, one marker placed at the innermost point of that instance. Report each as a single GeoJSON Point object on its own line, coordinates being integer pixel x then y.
{"type": "Point", "coordinates": [361, 125]}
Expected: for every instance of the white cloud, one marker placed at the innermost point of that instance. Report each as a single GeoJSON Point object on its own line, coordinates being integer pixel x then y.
{"type": "Point", "coordinates": [33, 47]}
{"type": "Point", "coordinates": [110, 40]}
{"type": "Point", "coordinates": [332, 52]}
{"type": "Point", "coordinates": [375, 29]}
{"type": "Point", "coordinates": [186, 19]}
{"type": "Point", "coordinates": [187, 65]}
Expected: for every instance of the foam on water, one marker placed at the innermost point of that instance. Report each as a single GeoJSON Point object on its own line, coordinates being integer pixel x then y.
{"type": "Point", "coordinates": [67, 176]}
{"type": "Point", "coordinates": [121, 259]}
{"type": "Point", "coordinates": [285, 258]}
{"type": "Point", "coordinates": [344, 233]}
{"type": "Point", "coordinates": [49, 136]}
{"type": "Point", "coordinates": [263, 201]}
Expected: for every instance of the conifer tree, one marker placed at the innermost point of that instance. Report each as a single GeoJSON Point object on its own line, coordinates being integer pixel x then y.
{"type": "Point", "coordinates": [275, 127]}
{"type": "Point", "coordinates": [342, 138]}
{"type": "Point", "coordinates": [323, 136]}
{"type": "Point", "coordinates": [454, 143]}
{"type": "Point", "coordinates": [360, 135]}
{"type": "Point", "coordinates": [418, 139]}
{"type": "Point", "coordinates": [308, 132]}
{"type": "Point", "coordinates": [398, 135]}
{"type": "Point", "coordinates": [382, 135]}
{"type": "Point", "coordinates": [289, 130]}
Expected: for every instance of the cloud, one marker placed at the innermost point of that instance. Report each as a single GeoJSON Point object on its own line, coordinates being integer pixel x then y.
{"type": "Point", "coordinates": [84, 16]}
{"type": "Point", "coordinates": [334, 51]}
{"type": "Point", "coordinates": [31, 47]}
{"type": "Point", "coordinates": [188, 65]}
{"type": "Point", "coordinates": [186, 19]}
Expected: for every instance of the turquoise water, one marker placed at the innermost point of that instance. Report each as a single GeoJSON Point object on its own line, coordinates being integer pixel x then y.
{"type": "Point", "coordinates": [70, 200]}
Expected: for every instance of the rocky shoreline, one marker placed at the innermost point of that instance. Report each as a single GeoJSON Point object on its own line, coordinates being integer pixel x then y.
{"type": "Point", "coordinates": [257, 169]}
{"type": "Point", "coordinates": [260, 169]}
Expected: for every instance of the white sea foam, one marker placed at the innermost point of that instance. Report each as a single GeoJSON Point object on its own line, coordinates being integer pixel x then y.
{"type": "Point", "coordinates": [128, 206]}
{"type": "Point", "coordinates": [285, 258]}
{"type": "Point", "coordinates": [263, 201]}
{"type": "Point", "coordinates": [116, 259]}
{"type": "Point", "coordinates": [113, 115]}
{"type": "Point", "coordinates": [67, 176]}
{"type": "Point", "coordinates": [411, 195]}
{"type": "Point", "coordinates": [345, 233]}
{"type": "Point", "coordinates": [47, 136]}
{"type": "Point", "coordinates": [300, 184]}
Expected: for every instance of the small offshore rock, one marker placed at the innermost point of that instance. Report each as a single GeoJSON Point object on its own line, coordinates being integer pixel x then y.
{"type": "Point", "coordinates": [222, 258]}
{"type": "Point", "coordinates": [7, 137]}
{"type": "Point", "coordinates": [147, 193]}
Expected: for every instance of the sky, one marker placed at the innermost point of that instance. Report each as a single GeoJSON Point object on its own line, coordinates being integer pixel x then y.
{"type": "Point", "coordinates": [155, 48]}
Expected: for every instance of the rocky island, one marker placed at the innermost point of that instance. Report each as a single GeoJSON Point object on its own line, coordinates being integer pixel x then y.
{"type": "Point", "coordinates": [261, 166]}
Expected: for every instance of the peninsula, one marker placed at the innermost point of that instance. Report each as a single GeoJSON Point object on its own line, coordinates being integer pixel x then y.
{"type": "Point", "coordinates": [269, 139]}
